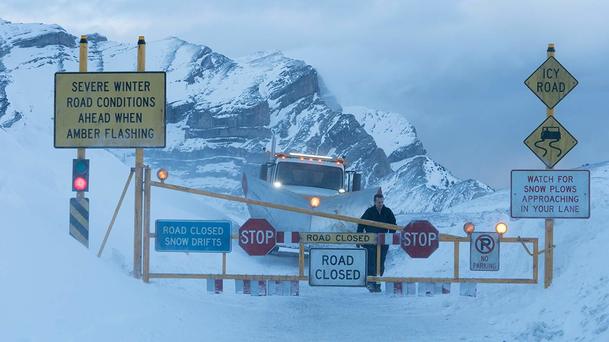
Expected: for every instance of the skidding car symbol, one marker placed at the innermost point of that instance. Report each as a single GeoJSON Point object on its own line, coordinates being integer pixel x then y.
{"type": "Point", "coordinates": [549, 133]}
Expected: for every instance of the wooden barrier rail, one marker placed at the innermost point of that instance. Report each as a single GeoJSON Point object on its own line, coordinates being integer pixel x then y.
{"type": "Point", "coordinates": [301, 257]}
{"type": "Point", "coordinates": [276, 206]}
{"type": "Point", "coordinates": [455, 240]}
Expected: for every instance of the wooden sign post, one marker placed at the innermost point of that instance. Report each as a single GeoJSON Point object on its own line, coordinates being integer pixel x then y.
{"type": "Point", "coordinates": [139, 177]}
{"type": "Point", "coordinates": [549, 222]}
{"type": "Point", "coordinates": [550, 142]}
{"type": "Point", "coordinates": [82, 67]}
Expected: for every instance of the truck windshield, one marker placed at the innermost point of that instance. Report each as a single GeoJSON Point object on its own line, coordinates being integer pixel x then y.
{"type": "Point", "coordinates": [316, 176]}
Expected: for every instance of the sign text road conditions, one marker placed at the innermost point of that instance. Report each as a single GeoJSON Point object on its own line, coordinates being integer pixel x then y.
{"type": "Point", "coordinates": [484, 251]}
{"type": "Point", "coordinates": [550, 194]}
{"type": "Point", "coordinates": [193, 236]}
{"type": "Point", "coordinates": [337, 267]}
{"type": "Point", "coordinates": [110, 109]}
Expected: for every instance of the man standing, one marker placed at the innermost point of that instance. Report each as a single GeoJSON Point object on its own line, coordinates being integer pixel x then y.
{"type": "Point", "coordinates": [380, 213]}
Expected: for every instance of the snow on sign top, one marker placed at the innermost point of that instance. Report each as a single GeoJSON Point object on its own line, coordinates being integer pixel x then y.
{"type": "Point", "coordinates": [110, 109]}
{"type": "Point", "coordinates": [551, 82]}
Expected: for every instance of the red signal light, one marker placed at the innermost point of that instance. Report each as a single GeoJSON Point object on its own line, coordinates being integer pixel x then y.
{"type": "Point", "coordinates": [80, 175]}
{"type": "Point", "coordinates": [80, 184]}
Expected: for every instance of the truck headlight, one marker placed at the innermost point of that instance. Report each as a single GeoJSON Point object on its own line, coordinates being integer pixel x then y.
{"type": "Point", "coordinates": [341, 190]}
{"type": "Point", "coordinates": [277, 184]}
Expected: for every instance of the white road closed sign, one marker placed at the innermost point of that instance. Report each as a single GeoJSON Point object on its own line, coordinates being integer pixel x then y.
{"type": "Point", "coordinates": [337, 267]}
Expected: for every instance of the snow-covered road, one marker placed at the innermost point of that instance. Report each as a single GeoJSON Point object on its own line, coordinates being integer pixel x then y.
{"type": "Point", "coordinates": [53, 289]}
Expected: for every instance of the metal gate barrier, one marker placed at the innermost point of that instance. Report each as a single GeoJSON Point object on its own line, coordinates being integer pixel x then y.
{"type": "Point", "coordinates": [378, 240]}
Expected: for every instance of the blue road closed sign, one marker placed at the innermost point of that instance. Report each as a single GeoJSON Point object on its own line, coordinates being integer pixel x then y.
{"type": "Point", "coordinates": [550, 194]}
{"type": "Point", "coordinates": [193, 236]}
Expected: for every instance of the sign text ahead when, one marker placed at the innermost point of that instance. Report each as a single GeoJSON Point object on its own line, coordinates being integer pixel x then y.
{"type": "Point", "coordinates": [110, 109]}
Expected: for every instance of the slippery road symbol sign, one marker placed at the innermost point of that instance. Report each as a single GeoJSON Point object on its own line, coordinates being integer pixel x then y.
{"type": "Point", "coordinates": [484, 252]}
{"type": "Point", "coordinates": [550, 142]}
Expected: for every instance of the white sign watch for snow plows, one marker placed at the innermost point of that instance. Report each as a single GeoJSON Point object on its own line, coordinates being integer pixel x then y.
{"type": "Point", "coordinates": [338, 267]}
{"type": "Point", "coordinates": [484, 251]}
{"type": "Point", "coordinates": [550, 194]}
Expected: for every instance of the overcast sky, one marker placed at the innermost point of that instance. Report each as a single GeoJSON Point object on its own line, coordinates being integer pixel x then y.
{"type": "Point", "coordinates": [455, 69]}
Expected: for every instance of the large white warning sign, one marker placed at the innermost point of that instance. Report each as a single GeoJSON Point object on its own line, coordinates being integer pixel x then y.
{"type": "Point", "coordinates": [550, 194]}
{"type": "Point", "coordinates": [109, 109]}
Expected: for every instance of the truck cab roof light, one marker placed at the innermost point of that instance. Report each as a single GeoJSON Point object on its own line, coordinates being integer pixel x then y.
{"type": "Point", "coordinates": [309, 156]}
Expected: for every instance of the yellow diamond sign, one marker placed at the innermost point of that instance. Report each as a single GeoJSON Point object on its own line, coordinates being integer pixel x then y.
{"type": "Point", "coordinates": [551, 82]}
{"type": "Point", "coordinates": [550, 142]}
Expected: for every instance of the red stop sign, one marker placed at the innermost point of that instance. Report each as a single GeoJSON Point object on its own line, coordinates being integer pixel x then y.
{"type": "Point", "coordinates": [420, 239]}
{"type": "Point", "coordinates": [257, 237]}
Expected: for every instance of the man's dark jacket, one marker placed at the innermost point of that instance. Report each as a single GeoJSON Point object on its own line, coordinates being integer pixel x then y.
{"type": "Point", "coordinates": [372, 214]}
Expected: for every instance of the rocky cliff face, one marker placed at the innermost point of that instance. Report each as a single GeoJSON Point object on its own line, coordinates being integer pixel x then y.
{"type": "Point", "coordinates": [416, 182]}
{"type": "Point", "coordinates": [222, 113]}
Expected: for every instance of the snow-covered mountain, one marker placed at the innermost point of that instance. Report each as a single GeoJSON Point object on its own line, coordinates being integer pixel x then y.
{"type": "Point", "coordinates": [417, 182]}
{"type": "Point", "coordinates": [222, 113]}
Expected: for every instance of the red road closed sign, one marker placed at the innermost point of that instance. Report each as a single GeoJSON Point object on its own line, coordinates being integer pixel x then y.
{"type": "Point", "coordinates": [257, 237]}
{"type": "Point", "coordinates": [420, 239]}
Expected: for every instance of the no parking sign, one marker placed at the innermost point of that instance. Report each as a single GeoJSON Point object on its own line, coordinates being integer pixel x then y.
{"type": "Point", "coordinates": [484, 251]}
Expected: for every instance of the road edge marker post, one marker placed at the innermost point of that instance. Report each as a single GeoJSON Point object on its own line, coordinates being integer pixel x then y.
{"type": "Point", "coordinates": [139, 168]}
{"type": "Point", "coordinates": [378, 258]}
{"type": "Point", "coordinates": [79, 205]}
